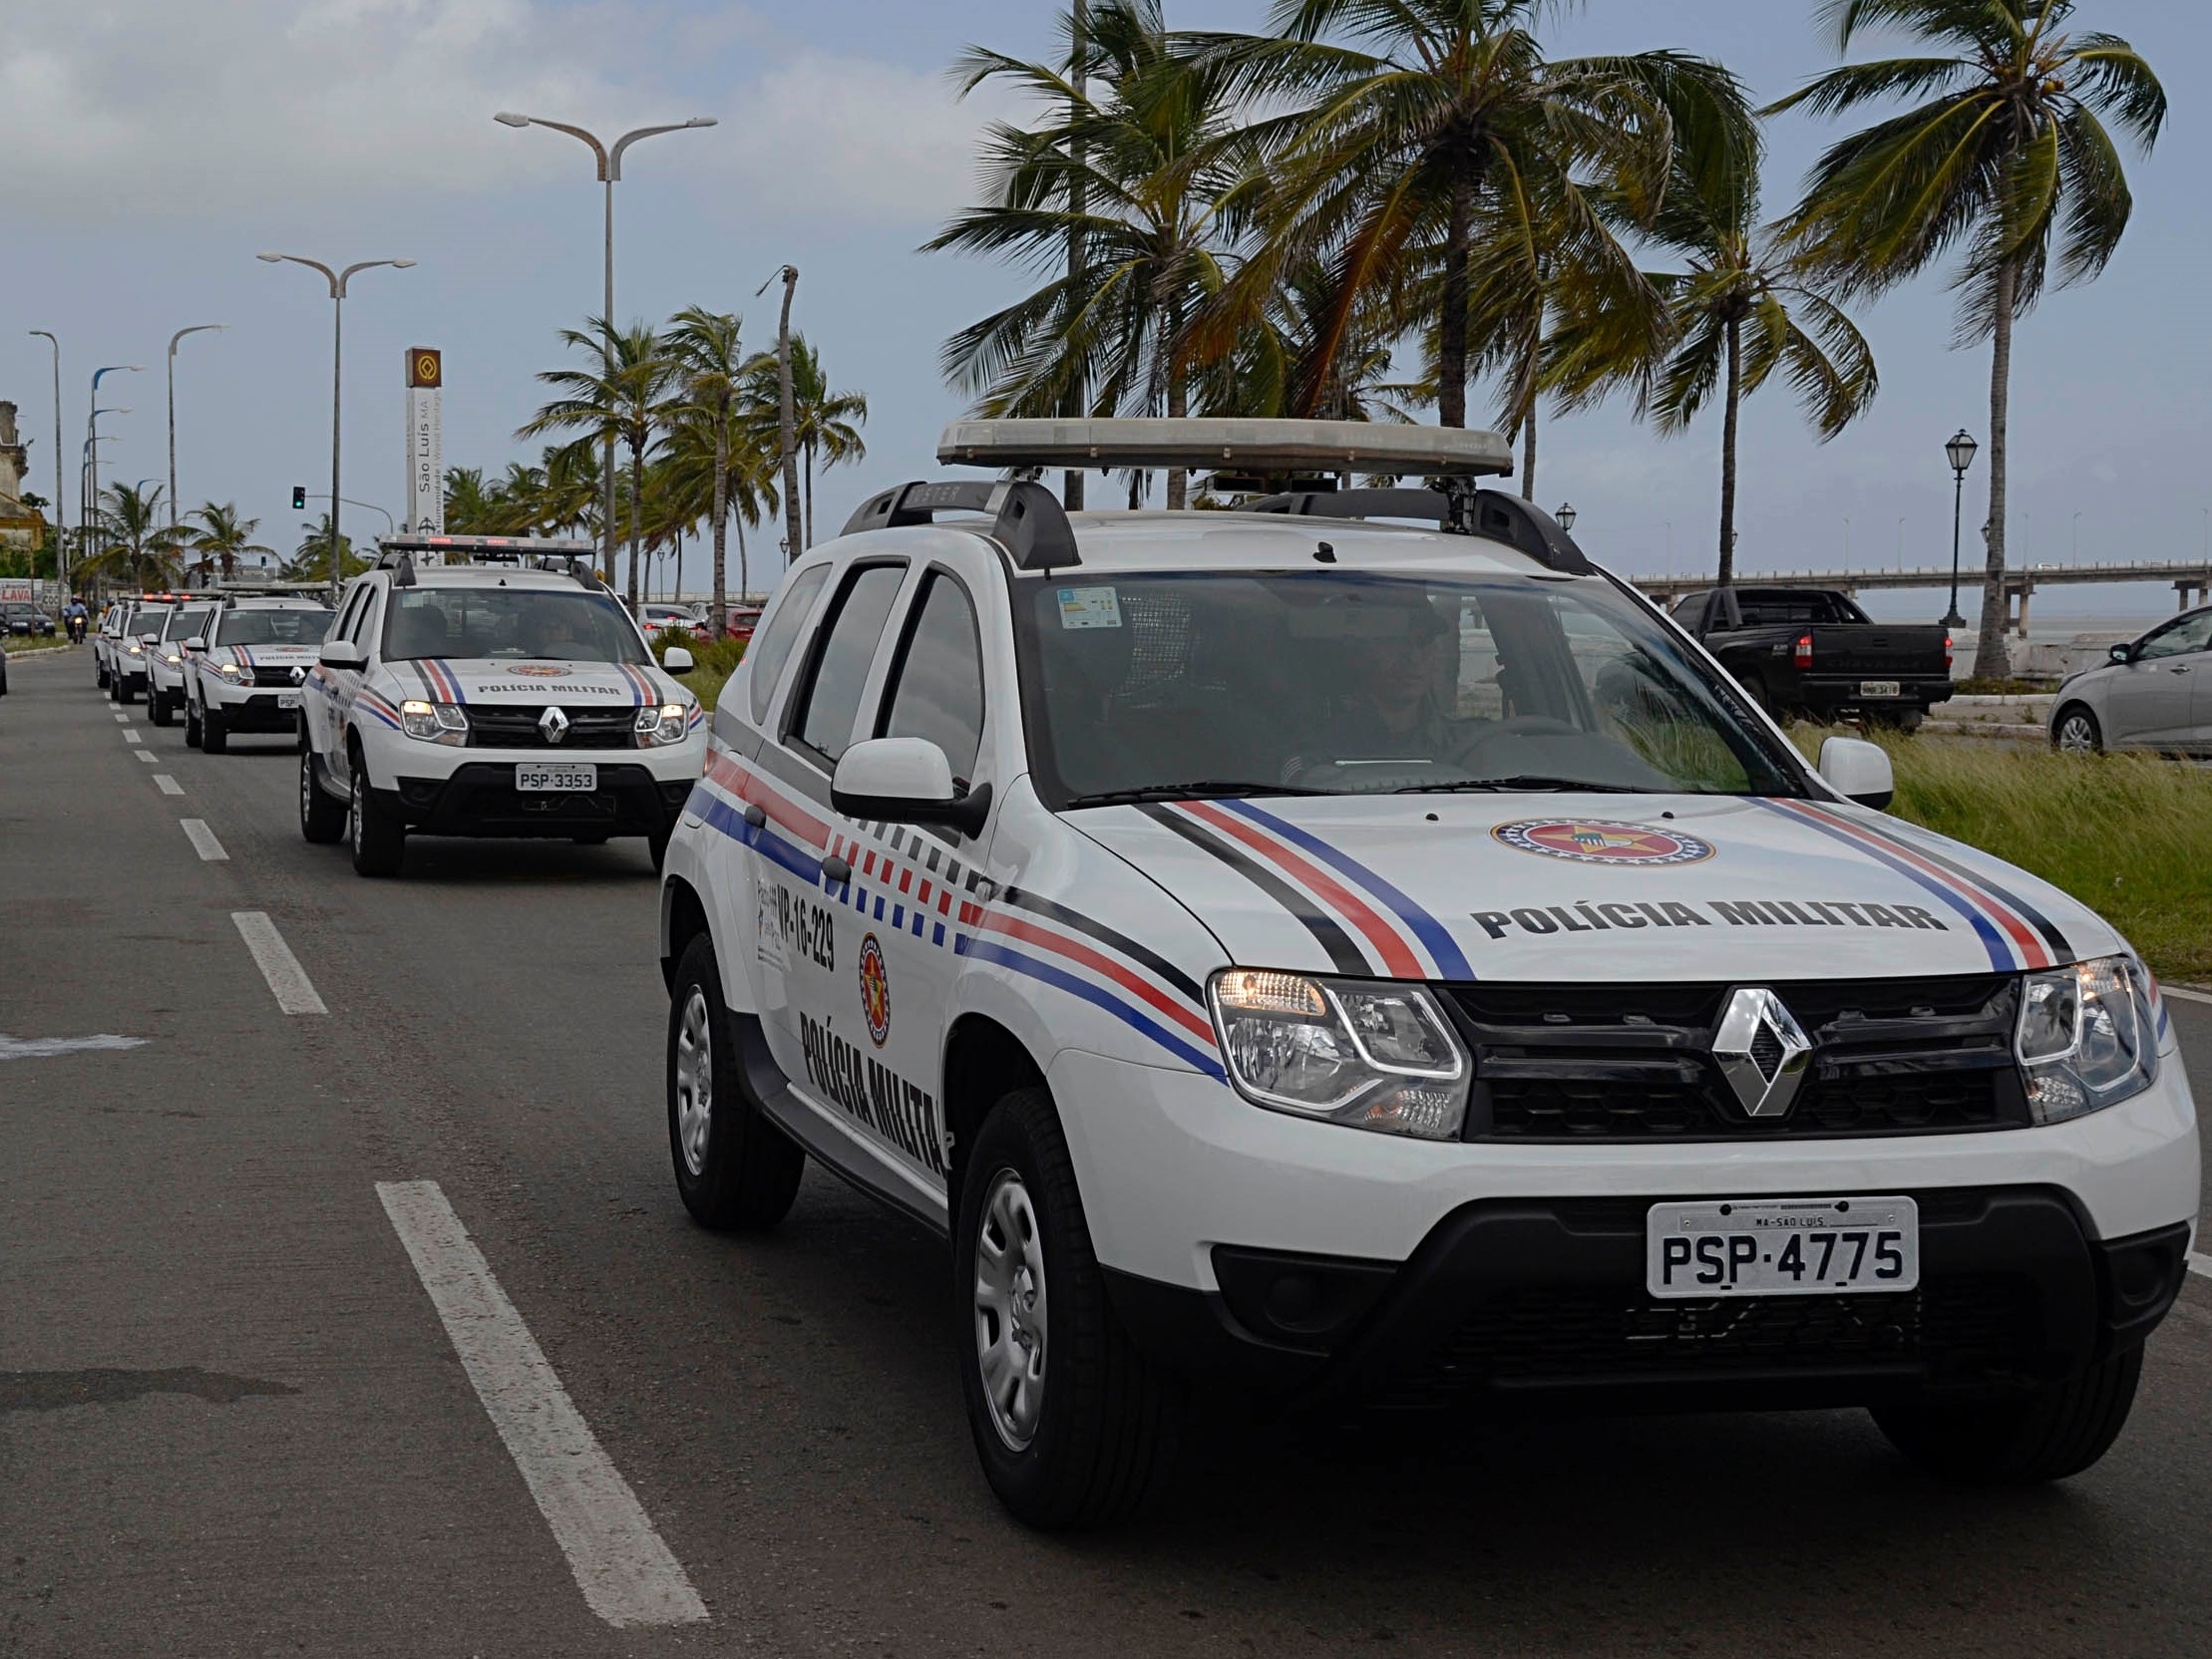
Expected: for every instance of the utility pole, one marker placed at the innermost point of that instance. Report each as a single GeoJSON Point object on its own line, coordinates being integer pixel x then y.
{"type": "Point", "coordinates": [1072, 397]}
{"type": "Point", "coordinates": [61, 512]}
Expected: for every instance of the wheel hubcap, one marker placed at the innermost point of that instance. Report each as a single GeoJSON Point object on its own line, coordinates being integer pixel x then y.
{"type": "Point", "coordinates": [694, 1082]}
{"type": "Point", "coordinates": [2074, 734]}
{"type": "Point", "coordinates": [1011, 1310]}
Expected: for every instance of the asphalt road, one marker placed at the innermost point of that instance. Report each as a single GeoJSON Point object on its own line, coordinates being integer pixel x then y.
{"type": "Point", "coordinates": [231, 1420]}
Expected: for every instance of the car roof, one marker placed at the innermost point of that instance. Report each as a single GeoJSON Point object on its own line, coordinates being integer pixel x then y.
{"type": "Point", "coordinates": [497, 576]}
{"type": "Point", "coordinates": [278, 602]}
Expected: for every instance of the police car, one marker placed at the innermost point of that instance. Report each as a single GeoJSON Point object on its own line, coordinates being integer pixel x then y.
{"type": "Point", "coordinates": [167, 652]}
{"type": "Point", "coordinates": [1390, 966]}
{"type": "Point", "coordinates": [119, 653]}
{"type": "Point", "coordinates": [247, 670]}
{"type": "Point", "coordinates": [491, 686]}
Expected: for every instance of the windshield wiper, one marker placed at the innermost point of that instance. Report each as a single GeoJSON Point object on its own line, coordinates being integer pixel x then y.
{"type": "Point", "coordinates": [1177, 792]}
{"type": "Point", "coordinates": [1530, 782]}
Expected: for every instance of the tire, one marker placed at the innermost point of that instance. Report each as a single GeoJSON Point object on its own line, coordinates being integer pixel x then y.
{"type": "Point", "coordinates": [321, 820]}
{"type": "Point", "coordinates": [192, 724]}
{"type": "Point", "coordinates": [375, 838]}
{"type": "Point", "coordinates": [735, 1170]}
{"type": "Point", "coordinates": [99, 675]}
{"type": "Point", "coordinates": [214, 735]}
{"type": "Point", "coordinates": [2076, 730]}
{"type": "Point", "coordinates": [123, 694]}
{"type": "Point", "coordinates": [115, 688]}
{"type": "Point", "coordinates": [157, 708]}
{"type": "Point", "coordinates": [2054, 1432]}
{"type": "Point", "coordinates": [1073, 1425]}
{"type": "Point", "coordinates": [657, 845]}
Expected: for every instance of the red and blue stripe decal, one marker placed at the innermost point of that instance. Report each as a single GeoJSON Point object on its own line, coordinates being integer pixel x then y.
{"type": "Point", "coordinates": [642, 689]}
{"type": "Point", "coordinates": [364, 698]}
{"type": "Point", "coordinates": [443, 683]}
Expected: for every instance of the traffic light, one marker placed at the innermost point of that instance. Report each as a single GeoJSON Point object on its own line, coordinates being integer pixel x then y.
{"type": "Point", "coordinates": [300, 498]}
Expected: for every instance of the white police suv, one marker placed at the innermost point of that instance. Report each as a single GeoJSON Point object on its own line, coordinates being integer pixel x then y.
{"type": "Point", "coordinates": [247, 671]}
{"type": "Point", "coordinates": [491, 686]}
{"type": "Point", "coordinates": [166, 655]}
{"type": "Point", "coordinates": [1390, 966]}
{"type": "Point", "coordinates": [119, 655]}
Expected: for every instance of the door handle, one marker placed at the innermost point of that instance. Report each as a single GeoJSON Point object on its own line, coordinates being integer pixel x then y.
{"type": "Point", "coordinates": [2181, 668]}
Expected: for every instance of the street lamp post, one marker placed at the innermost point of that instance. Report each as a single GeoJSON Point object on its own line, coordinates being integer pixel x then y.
{"type": "Point", "coordinates": [61, 512]}
{"type": "Point", "coordinates": [337, 282]}
{"type": "Point", "coordinates": [610, 160]}
{"type": "Point", "coordinates": [90, 516]}
{"type": "Point", "coordinates": [1566, 515]}
{"type": "Point", "coordinates": [1959, 453]}
{"type": "Point", "coordinates": [197, 328]}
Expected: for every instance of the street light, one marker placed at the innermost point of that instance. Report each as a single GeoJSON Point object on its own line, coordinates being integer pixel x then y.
{"type": "Point", "coordinates": [197, 328]}
{"type": "Point", "coordinates": [88, 517]}
{"type": "Point", "coordinates": [337, 282]}
{"type": "Point", "coordinates": [1959, 452]}
{"type": "Point", "coordinates": [610, 175]}
{"type": "Point", "coordinates": [61, 512]}
{"type": "Point", "coordinates": [1566, 515]}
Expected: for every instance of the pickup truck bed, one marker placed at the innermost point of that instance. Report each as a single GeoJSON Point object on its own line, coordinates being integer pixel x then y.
{"type": "Point", "coordinates": [1813, 652]}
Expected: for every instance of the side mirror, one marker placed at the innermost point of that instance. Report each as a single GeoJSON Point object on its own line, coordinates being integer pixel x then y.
{"type": "Point", "coordinates": [2121, 653]}
{"type": "Point", "coordinates": [196, 643]}
{"type": "Point", "coordinates": [906, 781]}
{"type": "Point", "coordinates": [676, 660]}
{"type": "Point", "coordinates": [1859, 770]}
{"type": "Point", "coordinates": [341, 653]}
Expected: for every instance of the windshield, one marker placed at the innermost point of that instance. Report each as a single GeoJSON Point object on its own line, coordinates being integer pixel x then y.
{"type": "Point", "coordinates": [147, 622]}
{"type": "Point", "coordinates": [273, 627]}
{"type": "Point", "coordinates": [508, 622]}
{"type": "Point", "coordinates": [186, 623]}
{"type": "Point", "coordinates": [1339, 683]}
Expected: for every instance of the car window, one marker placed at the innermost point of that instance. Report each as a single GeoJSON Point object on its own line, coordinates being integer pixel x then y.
{"type": "Point", "coordinates": [831, 701]}
{"type": "Point", "coordinates": [186, 623]}
{"type": "Point", "coordinates": [548, 625]}
{"type": "Point", "coordinates": [2191, 633]}
{"type": "Point", "coordinates": [362, 631]}
{"type": "Point", "coordinates": [273, 627]}
{"type": "Point", "coordinates": [937, 687]}
{"type": "Point", "coordinates": [350, 612]}
{"type": "Point", "coordinates": [771, 647]}
{"type": "Point", "coordinates": [1690, 614]}
{"type": "Point", "coordinates": [1762, 610]}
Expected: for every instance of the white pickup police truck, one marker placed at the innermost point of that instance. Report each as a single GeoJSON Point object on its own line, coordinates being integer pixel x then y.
{"type": "Point", "coordinates": [247, 670]}
{"type": "Point", "coordinates": [1390, 966]}
{"type": "Point", "coordinates": [491, 686]}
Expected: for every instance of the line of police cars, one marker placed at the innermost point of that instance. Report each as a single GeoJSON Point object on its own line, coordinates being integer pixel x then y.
{"type": "Point", "coordinates": [464, 686]}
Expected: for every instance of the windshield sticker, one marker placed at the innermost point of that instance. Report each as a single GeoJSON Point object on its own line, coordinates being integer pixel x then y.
{"type": "Point", "coordinates": [1585, 917]}
{"type": "Point", "coordinates": [1089, 607]}
{"type": "Point", "coordinates": [1601, 842]}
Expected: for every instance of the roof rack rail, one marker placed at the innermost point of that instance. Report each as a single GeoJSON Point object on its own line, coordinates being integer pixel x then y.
{"type": "Point", "coordinates": [1490, 513]}
{"type": "Point", "coordinates": [1026, 519]}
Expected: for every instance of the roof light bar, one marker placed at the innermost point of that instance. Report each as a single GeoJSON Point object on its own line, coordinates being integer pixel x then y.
{"type": "Point", "coordinates": [1250, 445]}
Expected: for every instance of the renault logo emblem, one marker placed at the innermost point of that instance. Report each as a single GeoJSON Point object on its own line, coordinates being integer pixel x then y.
{"type": "Point", "coordinates": [1762, 1051]}
{"type": "Point", "coordinates": [555, 725]}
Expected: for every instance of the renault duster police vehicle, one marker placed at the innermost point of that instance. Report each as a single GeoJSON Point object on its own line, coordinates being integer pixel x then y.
{"type": "Point", "coordinates": [1390, 966]}
{"type": "Point", "coordinates": [495, 696]}
{"type": "Point", "coordinates": [165, 656]}
{"type": "Point", "coordinates": [119, 655]}
{"type": "Point", "coordinates": [246, 673]}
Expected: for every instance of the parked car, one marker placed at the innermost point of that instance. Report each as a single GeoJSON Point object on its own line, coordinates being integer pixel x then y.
{"type": "Point", "coordinates": [23, 617]}
{"type": "Point", "coordinates": [1812, 651]}
{"type": "Point", "coordinates": [657, 617]}
{"type": "Point", "coordinates": [2151, 693]}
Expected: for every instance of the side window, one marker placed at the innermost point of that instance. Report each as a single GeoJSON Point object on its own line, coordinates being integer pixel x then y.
{"type": "Point", "coordinates": [2189, 634]}
{"type": "Point", "coordinates": [361, 629]}
{"type": "Point", "coordinates": [937, 687]}
{"type": "Point", "coordinates": [342, 627]}
{"type": "Point", "coordinates": [1690, 614]}
{"type": "Point", "coordinates": [831, 701]}
{"type": "Point", "coordinates": [771, 648]}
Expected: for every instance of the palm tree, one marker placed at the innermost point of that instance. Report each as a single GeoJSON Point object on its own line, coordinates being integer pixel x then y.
{"type": "Point", "coordinates": [472, 505]}
{"type": "Point", "coordinates": [2009, 148]}
{"type": "Point", "coordinates": [826, 422]}
{"type": "Point", "coordinates": [310, 560]}
{"type": "Point", "coordinates": [220, 538]}
{"type": "Point", "coordinates": [1444, 117]}
{"type": "Point", "coordinates": [140, 545]}
{"type": "Point", "coordinates": [1134, 164]}
{"type": "Point", "coordinates": [1740, 311]}
{"type": "Point", "coordinates": [711, 367]}
{"type": "Point", "coordinates": [619, 396]}
{"type": "Point", "coordinates": [751, 448]}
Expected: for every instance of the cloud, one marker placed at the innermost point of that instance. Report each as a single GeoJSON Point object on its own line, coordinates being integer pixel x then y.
{"type": "Point", "coordinates": [225, 109]}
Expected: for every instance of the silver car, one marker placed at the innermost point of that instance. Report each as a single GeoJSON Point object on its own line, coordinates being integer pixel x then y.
{"type": "Point", "coordinates": [2156, 693]}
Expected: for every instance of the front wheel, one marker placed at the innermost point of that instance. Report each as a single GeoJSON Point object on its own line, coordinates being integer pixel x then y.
{"type": "Point", "coordinates": [2045, 1436]}
{"type": "Point", "coordinates": [215, 733]}
{"type": "Point", "coordinates": [2077, 732]}
{"type": "Point", "coordinates": [321, 820]}
{"type": "Point", "coordinates": [157, 707]}
{"type": "Point", "coordinates": [374, 834]}
{"type": "Point", "coordinates": [1074, 1427]}
{"type": "Point", "coordinates": [734, 1169]}
{"type": "Point", "coordinates": [192, 724]}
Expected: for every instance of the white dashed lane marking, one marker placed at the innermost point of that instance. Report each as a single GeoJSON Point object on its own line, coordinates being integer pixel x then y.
{"type": "Point", "coordinates": [131, 734]}
{"type": "Point", "coordinates": [121, 718]}
{"type": "Point", "coordinates": [2185, 994]}
{"type": "Point", "coordinates": [147, 755]}
{"type": "Point", "coordinates": [170, 786]}
{"type": "Point", "coordinates": [203, 841]}
{"type": "Point", "coordinates": [295, 993]}
{"type": "Point", "coordinates": [625, 1571]}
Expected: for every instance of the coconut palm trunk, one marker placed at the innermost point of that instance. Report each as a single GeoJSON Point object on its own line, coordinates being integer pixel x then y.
{"type": "Point", "coordinates": [638, 513]}
{"type": "Point", "coordinates": [1728, 415]}
{"type": "Point", "coordinates": [719, 615]}
{"type": "Point", "coordinates": [1992, 660]}
{"type": "Point", "coordinates": [1451, 343]}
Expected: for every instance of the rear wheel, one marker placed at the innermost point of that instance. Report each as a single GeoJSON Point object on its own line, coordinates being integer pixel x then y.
{"type": "Point", "coordinates": [1074, 1427]}
{"type": "Point", "coordinates": [2046, 1435]}
{"type": "Point", "coordinates": [215, 733]}
{"type": "Point", "coordinates": [321, 820]}
{"type": "Point", "coordinates": [734, 1169]}
{"type": "Point", "coordinates": [374, 834]}
{"type": "Point", "coordinates": [2076, 730]}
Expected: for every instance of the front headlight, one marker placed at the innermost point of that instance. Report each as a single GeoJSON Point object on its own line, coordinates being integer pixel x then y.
{"type": "Point", "coordinates": [661, 724]}
{"type": "Point", "coordinates": [434, 722]}
{"type": "Point", "coordinates": [136, 649]}
{"type": "Point", "coordinates": [1373, 1054]}
{"type": "Point", "coordinates": [229, 670]}
{"type": "Point", "coordinates": [174, 662]}
{"type": "Point", "coordinates": [2087, 1039]}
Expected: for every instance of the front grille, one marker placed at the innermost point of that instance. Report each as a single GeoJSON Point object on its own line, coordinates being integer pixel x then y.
{"type": "Point", "coordinates": [272, 678]}
{"type": "Point", "coordinates": [1965, 1325]}
{"type": "Point", "coordinates": [1635, 1062]}
{"type": "Point", "coordinates": [492, 726]}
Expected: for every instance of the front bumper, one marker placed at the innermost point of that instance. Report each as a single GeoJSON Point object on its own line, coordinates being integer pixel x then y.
{"type": "Point", "coordinates": [479, 797]}
{"type": "Point", "coordinates": [1841, 691]}
{"type": "Point", "coordinates": [252, 708]}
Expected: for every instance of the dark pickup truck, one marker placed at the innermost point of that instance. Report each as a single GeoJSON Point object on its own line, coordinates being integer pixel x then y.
{"type": "Point", "coordinates": [1812, 652]}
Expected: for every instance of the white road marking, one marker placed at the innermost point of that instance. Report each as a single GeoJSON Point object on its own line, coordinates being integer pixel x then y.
{"type": "Point", "coordinates": [147, 755]}
{"type": "Point", "coordinates": [2185, 994]}
{"type": "Point", "coordinates": [2200, 1264]}
{"type": "Point", "coordinates": [203, 841]}
{"type": "Point", "coordinates": [131, 734]}
{"type": "Point", "coordinates": [121, 718]}
{"type": "Point", "coordinates": [627, 1573]}
{"type": "Point", "coordinates": [295, 993]}
{"type": "Point", "coordinates": [170, 786]}
{"type": "Point", "coordinates": [43, 1048]}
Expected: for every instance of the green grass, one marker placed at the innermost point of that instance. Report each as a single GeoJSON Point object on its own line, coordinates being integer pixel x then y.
{"type": "Point", "coordinates": [2130, 835]}
{"type": "Point", "coordinates": [713, 662]}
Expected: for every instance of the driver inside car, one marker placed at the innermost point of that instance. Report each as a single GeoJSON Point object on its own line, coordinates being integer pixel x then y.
{"type": "Point", "coordinates": [1393, 707]}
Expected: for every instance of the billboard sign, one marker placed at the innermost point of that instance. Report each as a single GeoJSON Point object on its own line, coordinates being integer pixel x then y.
{"type": "Point", "coordinates": [426, 441]}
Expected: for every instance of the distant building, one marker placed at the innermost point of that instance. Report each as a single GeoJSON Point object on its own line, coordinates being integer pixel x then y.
{"type": "Point", "coordinates": [20, 526]}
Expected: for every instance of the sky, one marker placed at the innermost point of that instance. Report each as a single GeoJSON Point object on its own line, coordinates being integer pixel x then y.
{"type": "Point", "coordinates": [149, 150]}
